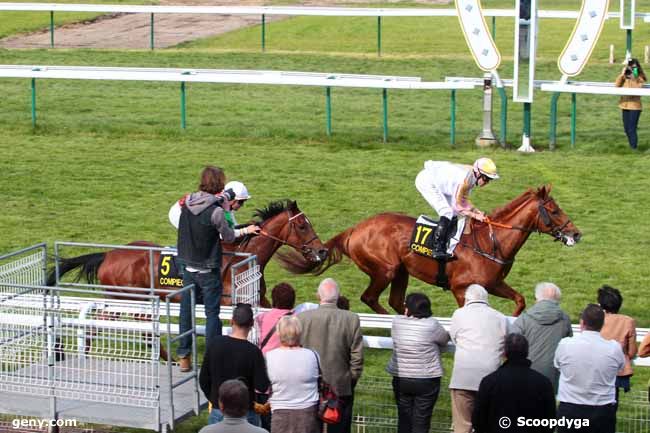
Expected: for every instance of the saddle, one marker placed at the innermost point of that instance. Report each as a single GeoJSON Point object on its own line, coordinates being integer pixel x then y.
{"type": "Point", "coordinates": [422, 243]}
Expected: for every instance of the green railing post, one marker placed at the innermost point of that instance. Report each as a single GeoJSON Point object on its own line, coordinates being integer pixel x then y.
{"type": "Point", "coordinates": [628, 42]}
{"type": "Point", "coordinates": [151, 43]}
{"type": "Point", "coordinates": [494, 28]}
{"type": "Point", "coordinates": [379, 36]}
{"type": "Point", "coordinates": [51, 29]}
{"type": "Point", "coordinates": [573, 119]}
{"type": "Point", "coordinates": [452, 132]}
{"type": "Point", "coordinates": [504, 116]}
{"type": "Point", "coordinates": [263, 32]}
{"type": "Point", "coordinates": [33, 102]}
{"type": "Point", "coordinates": [384, 97]}
{"type": "Point", "coordinates": [328, 110]}
{"type": "Point", "coordinates": [552, 139]}
{"type": "Point", "coordinates": [527, 123]}
{"type": "Point", "coordinates": [183, 122]}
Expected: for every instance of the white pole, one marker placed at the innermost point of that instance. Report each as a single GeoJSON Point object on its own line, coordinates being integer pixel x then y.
{"type": "Point", "coordinates": [611, 54]}
{"type": "Point", "coordinates": [646, 54]}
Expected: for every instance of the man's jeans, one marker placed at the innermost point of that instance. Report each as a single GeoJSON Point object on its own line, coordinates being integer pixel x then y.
{"type": "Point", "coordinates": [217, 416]}
{"type": "Point", "coordinates": [207, 286]}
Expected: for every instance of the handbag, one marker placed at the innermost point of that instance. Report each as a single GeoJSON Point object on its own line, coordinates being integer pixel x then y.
{"type": "Point", "coordinates": [328, 402]}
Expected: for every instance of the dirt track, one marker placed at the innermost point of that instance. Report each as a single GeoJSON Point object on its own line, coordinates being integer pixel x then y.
{"type": "Point", "coordinates": [133, 30]}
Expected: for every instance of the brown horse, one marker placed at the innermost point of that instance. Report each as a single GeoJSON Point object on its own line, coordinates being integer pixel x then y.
{"type": "Point", "coordinates": [379, 246]}
{"type": "Point", "coordinates": [282, 223]}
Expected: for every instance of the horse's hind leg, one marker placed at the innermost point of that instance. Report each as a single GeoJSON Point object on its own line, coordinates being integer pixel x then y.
{"type": "Point", "coordinates": [370, 296]}
{"type": "Point", "coordinates": [505, 291]}
{"type": "Point", "coordinates": [398, 290]}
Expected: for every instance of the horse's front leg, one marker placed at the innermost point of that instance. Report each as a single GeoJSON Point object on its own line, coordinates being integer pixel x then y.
{"type": "Point", "coordinates": [505, 291]}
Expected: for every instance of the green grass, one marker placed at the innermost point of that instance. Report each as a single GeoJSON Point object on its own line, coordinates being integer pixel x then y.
{"type": "Point", "coordinates": [108, 158]}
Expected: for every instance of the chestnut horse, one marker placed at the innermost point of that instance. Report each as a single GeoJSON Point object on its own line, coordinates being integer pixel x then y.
{"type": "Point", "coordinates": [282, 223]}
{"type": "Point", "coordinates": [379, 246]}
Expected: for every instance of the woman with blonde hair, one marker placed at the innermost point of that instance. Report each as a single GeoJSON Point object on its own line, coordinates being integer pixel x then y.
{"type": "Point", "coordinates": [294, 391]}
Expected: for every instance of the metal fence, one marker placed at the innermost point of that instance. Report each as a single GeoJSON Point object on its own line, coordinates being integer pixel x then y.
{"type": "Point", "coordinates": [26, 266]}
{"type": "Point", "coordinates": [375, 410]}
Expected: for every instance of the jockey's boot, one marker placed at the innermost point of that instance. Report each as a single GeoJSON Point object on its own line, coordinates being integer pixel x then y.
{"type": "Point", "coordinates": [440, 239]}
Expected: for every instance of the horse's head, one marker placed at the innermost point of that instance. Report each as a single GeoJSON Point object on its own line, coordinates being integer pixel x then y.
{"type": "Point", "coordinates": [287, 224]}
{"type": "Point", "coordinates": [552, 219]}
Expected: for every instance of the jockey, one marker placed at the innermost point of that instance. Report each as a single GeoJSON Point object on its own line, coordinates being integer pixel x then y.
{"type": "Point", "coordinates": [240, 193]}
{"type": "Point", "coordinates": [446, 187]}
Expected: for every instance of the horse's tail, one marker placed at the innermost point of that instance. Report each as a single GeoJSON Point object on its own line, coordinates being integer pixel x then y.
{"type": "Point", "coordinates": [336, 248]}
{"type": "Point", "coordinates": [88, 266]}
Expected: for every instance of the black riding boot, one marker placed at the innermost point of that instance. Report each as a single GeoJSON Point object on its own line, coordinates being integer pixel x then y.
{"type": "Point", "coordinates": [441, 239]}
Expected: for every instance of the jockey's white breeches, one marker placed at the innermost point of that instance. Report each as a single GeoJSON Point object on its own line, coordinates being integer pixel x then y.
{"type": "Point", "coordinates": [425, 183]}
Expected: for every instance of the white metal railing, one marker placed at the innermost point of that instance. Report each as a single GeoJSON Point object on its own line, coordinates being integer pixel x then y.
{"type": "Point", "coordinates": [285, 10]}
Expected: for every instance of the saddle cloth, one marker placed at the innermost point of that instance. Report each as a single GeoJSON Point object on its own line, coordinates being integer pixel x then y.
{"type": "Point", "coordinates": [422, 237]}
{"type": "Point", "coordinates": [169, 275]}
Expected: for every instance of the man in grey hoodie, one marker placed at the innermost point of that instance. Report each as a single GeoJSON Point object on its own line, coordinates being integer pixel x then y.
{"type": "Point", "coordinates": [202, 223]}
{"type": "Point", "coordinates": [544, 325]}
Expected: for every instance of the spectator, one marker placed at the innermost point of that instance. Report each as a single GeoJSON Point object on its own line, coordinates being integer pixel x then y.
{"type": "Point", "coordinates": [234, 357]}
{"type": "Point", "coordinates": [544, 325]}
{"type": "Point", "coordinates": [294, 391]}
{"type": "Point", "coordinates": [588, 366]}
{"type": "Point", "coordinates": [478, 331]}
{"type": "Point", "coordinates": [343, 303]}
{"type": "Point", "coordinates": [644, 348]}
{"type": "Point", "coordinates": [415, 365]}
{"type": "Point", "coordinates": [283, 298]}
{"type": "Point", "coordinates": [233, 403]}
{"type": "Point", "coordinates": [621, 328]}
{"type": "Point", "coordinates": [632, 77]}
{"type": "Point", "coordinates": [514, 390]}
{"type": "Point", "coordinates": [202, 222]}
{"type": "Point", "coordinates": [336, 335]}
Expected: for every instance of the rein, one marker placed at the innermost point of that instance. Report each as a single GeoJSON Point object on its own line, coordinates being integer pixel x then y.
{"type": "Point", "coordinates": [302, 247]}
{"type": "Point", "coordinates": [556, 232]}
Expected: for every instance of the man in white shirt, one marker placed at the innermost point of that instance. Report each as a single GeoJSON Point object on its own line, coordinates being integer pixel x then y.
{"type": "Point", "coordinates": [588, 366]}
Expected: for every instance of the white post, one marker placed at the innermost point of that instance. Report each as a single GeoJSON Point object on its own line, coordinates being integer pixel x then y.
{"type": "Point", "coordinates": [486, 138]}
{"type": "Point", "coordinates": [646, 54]}
{"type": "Point", "coordinates": [611, 54]}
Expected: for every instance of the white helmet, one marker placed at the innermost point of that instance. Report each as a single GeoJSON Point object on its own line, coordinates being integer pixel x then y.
{"type": "Point", "coordinates": [241, 192]}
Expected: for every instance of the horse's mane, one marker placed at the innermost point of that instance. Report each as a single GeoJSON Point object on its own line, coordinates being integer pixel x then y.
{"type": "Point", "coordinates": [519, 201]}
{"type": "Point", "coordinates": [274, 208]}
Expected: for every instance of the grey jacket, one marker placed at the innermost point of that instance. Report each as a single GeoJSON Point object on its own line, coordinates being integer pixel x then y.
{"type": "Point", "coordinates": [232, 425]}
{"type": "Point", "coordinates": [416, 347]}
{"type": "Point", "coordinates": [336, 336]}
{"type": "Point", "coordinates": [544, 325]}
{"type": "Point", "coordinates": [199, 201]}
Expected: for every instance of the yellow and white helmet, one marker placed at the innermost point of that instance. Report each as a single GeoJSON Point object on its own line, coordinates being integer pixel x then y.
{"type": "Point", "coordinates": [486, 167]}
{"type": "Point", "coordinates": [241, 192]}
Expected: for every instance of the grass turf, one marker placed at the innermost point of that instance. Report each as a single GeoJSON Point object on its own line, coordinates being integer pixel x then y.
{"type": "Point", "coordinates": [107, 158]}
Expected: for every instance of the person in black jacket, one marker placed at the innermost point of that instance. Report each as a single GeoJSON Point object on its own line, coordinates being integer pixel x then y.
{"type": "Point", "coordinates": [514, 395]}
{"type": "Point", "coordinates": [234, 357]}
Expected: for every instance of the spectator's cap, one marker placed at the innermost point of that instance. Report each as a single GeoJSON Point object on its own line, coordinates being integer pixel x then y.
{"type": "Point", "coordinates": [242, 315]}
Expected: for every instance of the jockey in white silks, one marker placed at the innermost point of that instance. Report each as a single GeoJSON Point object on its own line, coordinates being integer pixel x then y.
{"type": "Point", "coordinates": [241, 195]}
{"type": "Point", "coordinates": [446, 187]}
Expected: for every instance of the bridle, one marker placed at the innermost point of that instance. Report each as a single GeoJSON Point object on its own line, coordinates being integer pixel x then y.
{"type": "Point", "coordinates": [304, 248]}
{"type": "Point", "coordinates": [555, 231]}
